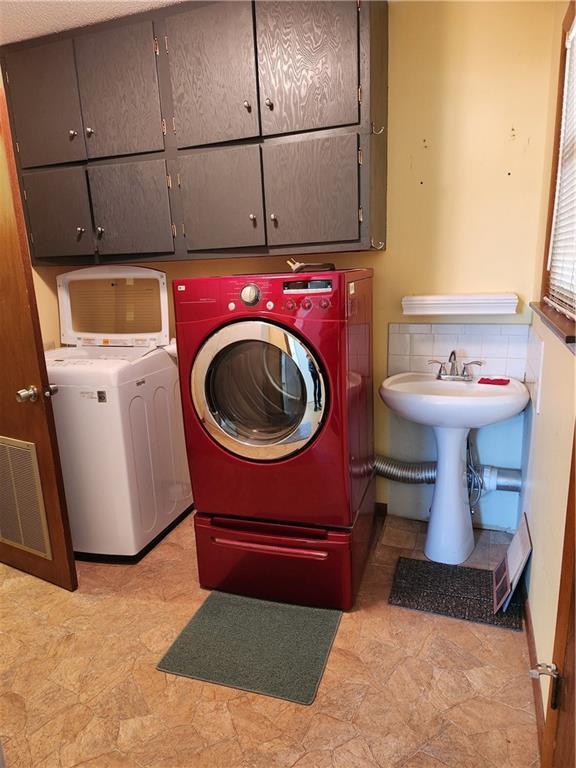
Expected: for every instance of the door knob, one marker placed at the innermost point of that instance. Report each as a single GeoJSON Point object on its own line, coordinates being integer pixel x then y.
{"type": "Point", "coordinates": [51, 390]}
{"type": "Point", "coordinates": [72, 133]}
{"type": "Point", "coordinates": [90, 131]}
{"type": "Point", "coordinates": [247, 105]}
{"type": "Point", "coordinates": [30, 394]}
{"type": "Point", "coordinates": [269, 103]}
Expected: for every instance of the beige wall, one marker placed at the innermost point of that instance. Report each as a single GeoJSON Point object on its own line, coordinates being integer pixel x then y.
{"type": "Point", "coordinates": [470, 133]}
{"type": "Point", "coordinates": [546, 481]}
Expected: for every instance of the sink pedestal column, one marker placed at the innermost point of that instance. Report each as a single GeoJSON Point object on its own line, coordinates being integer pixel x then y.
{"type": "Point", "coordinates": [450, 537]}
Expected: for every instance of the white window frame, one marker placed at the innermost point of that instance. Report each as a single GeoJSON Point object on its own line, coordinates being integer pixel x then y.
{"type": "Point", "coordinates": [561, 286]}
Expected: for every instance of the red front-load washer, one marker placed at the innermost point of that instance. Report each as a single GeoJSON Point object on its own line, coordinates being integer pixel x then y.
{"type": "Point", "coordinates": [276, 382]}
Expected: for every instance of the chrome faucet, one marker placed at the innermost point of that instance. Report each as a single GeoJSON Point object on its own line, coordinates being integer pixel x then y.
{"type": "Point", "coordinates": [465, 373]}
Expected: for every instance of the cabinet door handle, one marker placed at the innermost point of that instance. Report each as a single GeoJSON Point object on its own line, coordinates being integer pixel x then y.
{"type": "Point", "coordinates": [72, 133]}
{"type": "Point", "coordinates": [80, 231]}
{"type": "Point", "coordinates": [247, 105]}
{"type": "Point", "coordinates": [99, 231]}
{"type": "Point", "coordinates": [273, 217]}
{"type": "Point", "coordinates": [269, 103]}
{"type": "Point", "coordinates": [252, 218]}
{"type": "Point", "coordinates": [90, 131]}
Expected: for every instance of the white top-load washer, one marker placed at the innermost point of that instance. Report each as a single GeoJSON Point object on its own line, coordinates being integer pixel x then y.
{"type": "Point", "coordinates": [117, 409]}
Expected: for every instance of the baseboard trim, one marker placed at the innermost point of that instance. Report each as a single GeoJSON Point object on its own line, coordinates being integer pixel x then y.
{"type": "Point", "coordinates": [381, 509]}
{"type": "Point", "coordinates": [536, 686]}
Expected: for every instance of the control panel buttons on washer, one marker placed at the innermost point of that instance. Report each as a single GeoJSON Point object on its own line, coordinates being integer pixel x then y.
{"type": "Point", "coordinates": [306, 304]}
{"type": "Point", "coordinates": [324, 303]}
{"type": "Point", "coordinates": [250, 294]}
{"type": "Point", "coordinates": [231, 306]}
{"type": "Point", "coordinates": [269, 305]}
{"type": "Point", "coordinates": [290, 305]}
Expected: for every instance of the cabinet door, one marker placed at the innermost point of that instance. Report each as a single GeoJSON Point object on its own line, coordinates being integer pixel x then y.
{"type": "Point", "coordinates": [311, 189]}
{"type": "Point", "coordinates": [307, 64]}
{"type": "Point", "coordinates": [213, 73]}
{"type": "Point", "coordinates": [45, 104]}
{"type": "Point", "coordinates": [222, 198]}
{"type": "Point", "coordinates": [119, 90]}
{"type": "Point", "coordinates": [131, 207]}
{"type": "Point", "coordinates": [59, 212]}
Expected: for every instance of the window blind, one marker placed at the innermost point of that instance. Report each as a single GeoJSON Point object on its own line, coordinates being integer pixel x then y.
{"type": "Point", "coordinates": [561, 292]}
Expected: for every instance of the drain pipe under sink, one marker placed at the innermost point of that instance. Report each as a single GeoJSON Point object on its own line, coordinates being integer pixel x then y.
{"type": "Point", "coordinates": [493, 478]}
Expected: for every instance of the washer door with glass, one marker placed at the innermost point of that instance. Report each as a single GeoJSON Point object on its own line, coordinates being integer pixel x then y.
{"type": "Point", "coordinates": [258, 390]}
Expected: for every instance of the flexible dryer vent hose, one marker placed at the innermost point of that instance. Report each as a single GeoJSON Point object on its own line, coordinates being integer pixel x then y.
{"type": "Point", "coordinates": [405, 471]}
{"type": "Point", "coordinates": [494, 478]}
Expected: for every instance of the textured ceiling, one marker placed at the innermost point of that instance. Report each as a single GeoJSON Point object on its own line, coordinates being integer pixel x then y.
{"type": "Point", "coordinates": [24, 19]}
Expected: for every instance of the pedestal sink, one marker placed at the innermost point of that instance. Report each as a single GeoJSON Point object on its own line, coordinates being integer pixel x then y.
{"type": "Point", "coordinates": [451, 408]}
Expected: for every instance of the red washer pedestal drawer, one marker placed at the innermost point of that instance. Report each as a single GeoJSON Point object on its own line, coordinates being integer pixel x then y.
{"type": "Point", "coordinates": [306, 566]}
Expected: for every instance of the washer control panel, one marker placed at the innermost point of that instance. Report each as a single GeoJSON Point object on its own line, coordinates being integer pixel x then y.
{"type": "Point", "coordinates": [291, 296]}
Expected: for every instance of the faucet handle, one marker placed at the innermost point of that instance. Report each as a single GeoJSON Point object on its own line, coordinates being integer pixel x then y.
{"type": "Point", "coordinates": [465, 367]}
{"type": "Point", "coordinates": [441, 370]}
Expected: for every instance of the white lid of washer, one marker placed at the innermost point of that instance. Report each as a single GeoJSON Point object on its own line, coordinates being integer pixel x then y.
{"type": "Point", "coordinates": [113, 306]}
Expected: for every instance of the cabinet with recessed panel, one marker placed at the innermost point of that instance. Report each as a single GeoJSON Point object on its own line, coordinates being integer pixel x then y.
{"type": "Point", "coordinates": [203, 130]}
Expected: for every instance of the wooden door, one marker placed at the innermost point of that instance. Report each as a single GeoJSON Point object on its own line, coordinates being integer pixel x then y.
{"type": "Point", "coordinates": [59, 212]}
{"type": "Point", "coordinates": [34, 531]}
{"type": "Point", "coordinates": [558, 747]}
{"type": "Point", "coordinates": [119, 90]}
{"type": "Point", "coordinates": [213, 73]}
{"type": "Point", "coordinates": [131, 207]}
{"type": "Point", "coordinates": [221, 193]}
{"type": "Point", "coordinates": [311, 189]}
{"type": "Point", "coordinates": [307, 64]}
{"type": "Point", "coordinates": [43, 92]}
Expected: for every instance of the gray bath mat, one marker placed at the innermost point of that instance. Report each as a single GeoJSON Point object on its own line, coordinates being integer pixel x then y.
{"type": "Point", "coordinates": [451, 590]}
{"type": "Point", "coordinates": [271, 648]}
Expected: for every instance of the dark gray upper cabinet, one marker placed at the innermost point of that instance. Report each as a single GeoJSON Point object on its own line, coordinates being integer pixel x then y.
{"type": "Point", "coordinates": [59, 212]}
{"type": "Point", "coordinates": [213, 73]}
{"type": "Point", "coordinates": [45, 104]}
{"type": "Point", "coordinates": [307, 64]}
{"type": "Point", "coordinates": [119, 91]}
{"type": "Point", "coordinates": [131, 207]}
{"type": "Point", "coordinates": [222, 198]}
{"type": "Point", "coordinates": [311, 189]}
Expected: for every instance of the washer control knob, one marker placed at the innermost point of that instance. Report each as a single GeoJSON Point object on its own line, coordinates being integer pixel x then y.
{"type": "Point", "coordinates": [324, 303]}
{"type": "Point", "coordinates": [306, 304]}
{"type": "Point", "coordinates": [231, 306]}
{"type": "Point", "coordinates": [250, 294]}
{"type": "Point", "coordinates": [269, 305]}
{"type": "Point", "coordinates": [290, 305]}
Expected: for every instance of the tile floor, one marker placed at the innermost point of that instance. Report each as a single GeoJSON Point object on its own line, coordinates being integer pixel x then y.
{"type": "Point", "coordinates": [78, 684]}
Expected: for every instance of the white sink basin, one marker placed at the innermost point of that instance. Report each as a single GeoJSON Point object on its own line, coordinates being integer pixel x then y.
{"type": "Point", "coordinates": [423, 398]}
{"type": "Point", "coordinates": [452, 408]}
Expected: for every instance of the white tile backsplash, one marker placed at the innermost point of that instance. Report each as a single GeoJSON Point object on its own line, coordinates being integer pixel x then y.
{"type": "Point", "coordinates": [421, 344]}
{"type": "Point", "coordinates": [444, 344]}
{"type": "Point", "coordinates": [517, 347]}
{"type": "Point", "coordinates": [419, 364]}
{"type": "Point", "coordinates": [399, 344]}
{"type": "Point", "coordinates": [534, 367]}
{"type": "Point", "coordinates": [398, 364]}
{"type": "Point", "coordinates": [446, 328]}
{"type": "Point", "coordinates": [516, 368]}
{"type": "Point", "coordinates": [502, 348]}
{"type": "Point", "coordinates": [470, 346]}
{"type": "Point", "coordinates": [494, 346]}
{"type": "Point", "coordinates": [517, 330]}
